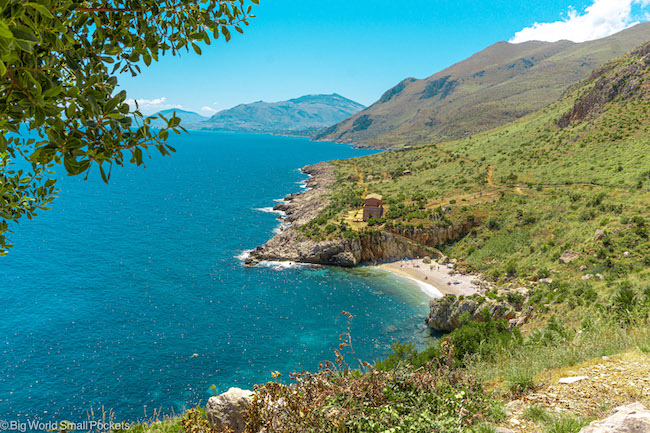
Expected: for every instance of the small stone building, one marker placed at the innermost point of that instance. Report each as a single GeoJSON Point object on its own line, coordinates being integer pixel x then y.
{"type": "Point", "coordinates": [372, 207]}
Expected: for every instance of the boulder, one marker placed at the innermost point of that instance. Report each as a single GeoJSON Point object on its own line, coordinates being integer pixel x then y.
{"type": "Point", "coordinates": [445, 313]}
{"type": "Point", "coordinates": [599, 235]}
{"type": "Point", "coordinates": [631, 418]}
{"type": "Point", "coordinates": [546, 280]}
{"type": "Point", "coordinates": [569, 256]}
{"type": "Point", "coordinates": [426, 260]}
{"type": "Point", "coordinates": [227, 409]}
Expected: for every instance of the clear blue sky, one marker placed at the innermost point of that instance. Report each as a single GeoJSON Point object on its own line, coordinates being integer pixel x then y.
{"type": "Point", "coordinates": [360, 48]}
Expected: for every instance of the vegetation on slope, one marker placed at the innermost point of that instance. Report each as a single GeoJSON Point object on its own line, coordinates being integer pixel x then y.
{"type": "Point", "coordinates": [534, 188]}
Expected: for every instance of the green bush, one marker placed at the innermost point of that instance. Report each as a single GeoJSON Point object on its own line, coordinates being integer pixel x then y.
{"type": "Point", "coordinates": [483, 338]}
{"type": "Point", "coordinates": [330, 228]}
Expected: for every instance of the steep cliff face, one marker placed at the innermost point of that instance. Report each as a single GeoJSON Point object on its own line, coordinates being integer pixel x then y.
{"type": "Point", "coordinates": [377, 246]}
{"type": "Point", "coordinates": [621, 79]}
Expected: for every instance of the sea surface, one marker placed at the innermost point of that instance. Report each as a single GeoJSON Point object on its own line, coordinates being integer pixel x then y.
{"type": "Point", "coordinates": [132, 296]}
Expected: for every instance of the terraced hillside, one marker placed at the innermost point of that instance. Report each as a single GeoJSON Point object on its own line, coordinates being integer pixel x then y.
{"type": "Point", "coordinates": [500, 84]}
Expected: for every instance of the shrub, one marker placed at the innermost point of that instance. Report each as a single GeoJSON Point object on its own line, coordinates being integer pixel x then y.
{"type": "Point", "coordinates": [494, 224]}
{"type": "Point", "coordinates": [483, 338]}
{"type": "Point", "coordinates": [330, 228]}
{"type": "Point", "coordinates": [537, 413]}
{"type": "Point", "coordinates": [376, 221]}
{"type": "Point", "coordinates": [437, 397]}
{"type": "Point", "coordinates": [516, 299]}
{"type": "Point", "coordinates": [567, 424]}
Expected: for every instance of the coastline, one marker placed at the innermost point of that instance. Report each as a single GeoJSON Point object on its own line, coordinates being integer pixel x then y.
{"type": "Point", "coordinates": [442, 279]}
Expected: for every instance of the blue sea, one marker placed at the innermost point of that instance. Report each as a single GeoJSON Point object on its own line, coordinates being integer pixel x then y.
{"type": "Point", "coordinates": [132, 296]}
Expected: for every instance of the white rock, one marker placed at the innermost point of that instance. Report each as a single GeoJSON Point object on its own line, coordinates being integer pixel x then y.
{"type": "Point", "coordinates": [633, 418]}
{"type": "Point", "coordinates": [572, 379]}
{"type": "Point", "coordinates": [227, 409]}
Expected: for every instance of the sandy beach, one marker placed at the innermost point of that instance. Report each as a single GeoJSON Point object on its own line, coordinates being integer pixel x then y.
{"type": "Point", "coordinates": [442, 278]}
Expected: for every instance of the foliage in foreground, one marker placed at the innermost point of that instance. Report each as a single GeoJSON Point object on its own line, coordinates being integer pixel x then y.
{"type": "Point", "coordinates": [435, 397]}
{"type": "Point", "coordinates": [59, 63]}
{"type": "Point", "coordinates": [439, 389]}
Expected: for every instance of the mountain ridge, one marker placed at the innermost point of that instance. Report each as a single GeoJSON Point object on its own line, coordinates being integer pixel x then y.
{"type": "Point", "coordinates": [307, 113]}
{"type": "Point", "coordinates": [304, 112]}
{"type": "Point", "coordinates": [493, 87]}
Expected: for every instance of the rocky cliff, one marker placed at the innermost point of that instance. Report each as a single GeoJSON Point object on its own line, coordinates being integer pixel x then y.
{"type": "Point", "coordinates": [447, 313]}
{"type": "Point", "coordinates": [621, 79]}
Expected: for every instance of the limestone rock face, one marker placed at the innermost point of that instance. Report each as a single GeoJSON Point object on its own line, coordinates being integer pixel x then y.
{"type": "Point", "coordinates": [633, 418]}
{"type": "Point", "coordinates": [446, 312]}
{"type": "Point", "coordinates": [569, 256]}
{"type": "Point", "coordinates": [228, 409]}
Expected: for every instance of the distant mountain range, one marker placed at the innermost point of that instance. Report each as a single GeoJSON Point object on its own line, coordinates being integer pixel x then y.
{"type": "Point", "coordinates": [308, 113]}
{"type": "Point", "coordinates": [500, 84]}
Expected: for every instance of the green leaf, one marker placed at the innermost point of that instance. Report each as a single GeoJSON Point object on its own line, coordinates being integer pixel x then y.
{"type": "Point", "coordinates": [4, 31]}
{"type": "Point", "coordinates": [23, 33]}
{"type": "Point", "coordinates": [42, 9]}
{"type": "Point", "coordinates": [226, 33]}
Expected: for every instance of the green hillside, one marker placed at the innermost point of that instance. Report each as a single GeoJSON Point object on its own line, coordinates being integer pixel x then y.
{"type": "Point", "coordinates": [535, 188]}
{"type": "Point", "coordinates": [495, 86]}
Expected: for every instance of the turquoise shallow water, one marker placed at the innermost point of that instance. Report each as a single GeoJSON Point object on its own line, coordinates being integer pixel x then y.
{"type": "Point", "coordinates": [106, 297]}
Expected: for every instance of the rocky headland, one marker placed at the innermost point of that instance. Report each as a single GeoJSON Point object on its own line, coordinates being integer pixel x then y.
{"type": "Point", "coordinates": [371, 247]}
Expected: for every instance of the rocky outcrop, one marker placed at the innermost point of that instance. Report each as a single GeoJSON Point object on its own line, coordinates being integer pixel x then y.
{"type": "Point", "coordinates": [620, 79]}
{"type": "Point", "coordinates": [569, 256]}
{"type": "Point", "coordinates": [446, 312]}
{"type": "Point", "coordinates": [291, 245]}
{"type": "Point", "coordinates": [227, 409]}
{"type": "Point", "coordinates": [632, 418]}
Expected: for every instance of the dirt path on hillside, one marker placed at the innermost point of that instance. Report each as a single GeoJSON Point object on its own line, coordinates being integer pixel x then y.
{"type": "Point", "coordinates": [360, 182]}
{"type": "Point", "coordinates": [607, 383]}
{"type": "Point", "coordinates": [490, 177]}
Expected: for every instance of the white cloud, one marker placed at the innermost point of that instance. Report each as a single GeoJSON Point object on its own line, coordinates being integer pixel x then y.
{"type": "Point", "coordinates": [208, 110]}
{"type": "Point", "coordinates": [601, 19]}
{"type": "Point", "coordinates": [150, 106]}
